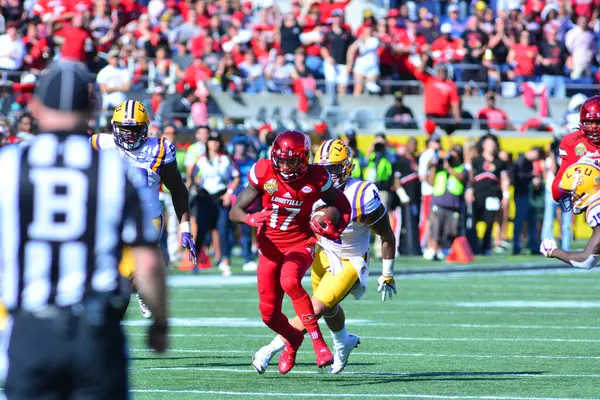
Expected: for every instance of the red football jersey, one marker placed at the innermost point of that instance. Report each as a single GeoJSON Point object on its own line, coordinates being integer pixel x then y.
{"type": "Point", "coordinates": [291, 202]}
{"type": "Point", "coordinates": [572, 147]}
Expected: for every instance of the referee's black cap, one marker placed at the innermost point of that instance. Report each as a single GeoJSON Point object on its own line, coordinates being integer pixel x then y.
{"type": "Point", "coordinates": [65, 86]}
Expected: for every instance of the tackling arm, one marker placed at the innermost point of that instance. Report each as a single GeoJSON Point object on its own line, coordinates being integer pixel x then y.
{"type": "Point", "coordinates": [243, 201]}
{"type": "Point", "coordinates": [587, 258]}
{"type": "Point", "coordinates": [172, 179]}
{"type": "Point", "coordinates": [566, 159]}
{"type": "Point", "coordinates": [335, 198]}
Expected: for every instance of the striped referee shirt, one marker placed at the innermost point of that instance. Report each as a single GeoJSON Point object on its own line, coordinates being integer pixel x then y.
{"type": "Point", "coordinates": [65, 213]}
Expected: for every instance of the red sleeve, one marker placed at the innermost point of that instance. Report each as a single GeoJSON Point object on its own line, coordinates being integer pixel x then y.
{"type": "Point", "coordinates": [341, 201]}
{"type": "Point", "coordinates": [568, 158]}
{"type": "Point", "coordinates": [422, 76]}
{"type": "Point", "coordinates": [257, 173]}
{"type": "Point", "coordinates": [481, 114]}
{"type": "Point", "coordinates": [343, 206]}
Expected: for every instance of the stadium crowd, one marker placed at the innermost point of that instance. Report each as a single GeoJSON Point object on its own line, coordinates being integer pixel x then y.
{"type": "Point", "coordinates": [203, 46]}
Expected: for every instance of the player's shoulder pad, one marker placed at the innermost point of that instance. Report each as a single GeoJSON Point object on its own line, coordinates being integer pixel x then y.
{"type": "Point", "coordinates": [365, 200]}
{"type": "Point", "coordinates": [259, 171]}
{"type": "Point", "coordinates": [102, 141]}
{"type": "Point", "coordinates": [372, 201]}
{"type": "Point", "coordinates": [170, 151]}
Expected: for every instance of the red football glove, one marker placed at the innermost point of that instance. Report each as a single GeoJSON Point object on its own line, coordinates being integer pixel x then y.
{"type": "Point", "coordinates": [330, 231]}
{"type": "Point", "coordinates": [258, 219]}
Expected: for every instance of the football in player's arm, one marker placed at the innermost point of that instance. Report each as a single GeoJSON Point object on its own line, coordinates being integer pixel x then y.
{"type": "Point", "coordinates": [579, 190]}
{"type": "Point", "coordinates": [332, 197]}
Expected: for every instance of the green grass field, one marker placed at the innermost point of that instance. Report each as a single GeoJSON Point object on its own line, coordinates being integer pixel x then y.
{"type": "Point", "coordinates": [466, 335]}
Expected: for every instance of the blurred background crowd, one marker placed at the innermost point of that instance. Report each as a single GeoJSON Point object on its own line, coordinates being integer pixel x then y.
{"type": "Point", "coordinates": [202, 66]}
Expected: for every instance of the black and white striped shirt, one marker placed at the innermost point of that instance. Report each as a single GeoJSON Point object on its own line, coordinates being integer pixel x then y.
{"type": "Point", "coordinates": [65, 213]}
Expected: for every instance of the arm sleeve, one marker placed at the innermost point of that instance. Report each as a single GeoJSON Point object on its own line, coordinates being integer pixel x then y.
{"type": "Point", "coordinates": [253, 176]}
{"type": "Point", "coordinates": [138, 229]}
{"type": "Point", "coordinates": [169, 150]}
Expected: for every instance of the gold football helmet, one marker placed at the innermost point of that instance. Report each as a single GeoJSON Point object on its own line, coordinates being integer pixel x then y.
{"type": "Point", "coordinates": [579, 186]}
{"type": "Point", "coordinates": [336, 157]}
{"type": "Point", "coordinates": [130, 125]}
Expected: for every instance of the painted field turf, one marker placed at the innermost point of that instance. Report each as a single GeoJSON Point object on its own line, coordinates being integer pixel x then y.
{"type": "Point", "coordinates": [492, 335]}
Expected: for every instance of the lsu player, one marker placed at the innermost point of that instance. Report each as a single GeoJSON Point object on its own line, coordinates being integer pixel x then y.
{"type": "Point", "coordinates": [579, 190]}
{"type": "Point", "coordinates": [341, 267]}
{"type": "Point", "coordinates": [155, 159]}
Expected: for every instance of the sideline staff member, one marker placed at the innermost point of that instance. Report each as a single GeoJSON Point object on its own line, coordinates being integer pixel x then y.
{"type": "Point", "coordinates": [64, 213]}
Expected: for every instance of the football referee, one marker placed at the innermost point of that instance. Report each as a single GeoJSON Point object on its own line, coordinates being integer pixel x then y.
{"type": "Point", "coordinates": [65, 214]}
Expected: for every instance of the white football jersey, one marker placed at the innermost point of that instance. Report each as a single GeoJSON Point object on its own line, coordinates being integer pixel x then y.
{"type": "Point", "coordinates": [364, 199]}
{"type": "Point", "coordinates": [148, 159]}
{"type": "Point", "coordinates": [592, 215]}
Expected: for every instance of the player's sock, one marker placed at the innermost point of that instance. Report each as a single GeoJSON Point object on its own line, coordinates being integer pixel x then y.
{"type": "Point", "coordinates": [304, 308]}
{"type": "Point", "coordinates": [340, 338]}
{"type": "Point", "coordinates": [277, 344]}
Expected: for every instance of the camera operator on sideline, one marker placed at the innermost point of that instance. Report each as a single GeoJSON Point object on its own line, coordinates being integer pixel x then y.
{"type": "Point", "coordinates": [448, 177]}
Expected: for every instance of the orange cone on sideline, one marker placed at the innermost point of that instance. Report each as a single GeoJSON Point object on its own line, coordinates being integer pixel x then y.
{"type": "Point", "coordinates": [203, 262]}
{"type": "Point", "coordinates": [461, 251]}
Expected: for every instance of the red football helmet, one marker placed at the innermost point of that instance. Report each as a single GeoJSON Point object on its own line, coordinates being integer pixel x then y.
{"type": "Point", "coordinates": [290, 154]}
{"type": "Point", "coordinates": [589, 119]}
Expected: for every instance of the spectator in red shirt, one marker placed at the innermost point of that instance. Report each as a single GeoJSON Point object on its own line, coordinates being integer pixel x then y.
{"type": "Point", "coordinates": [522, 57]}
{"type": "Point", "coordinates": [586, 8]}
{"type": "Point", "coordinates": [447, 49]}
{"type": "Point", "coordinates": [441, 95]}
{"type": "Point", "coordinates": [327, 7]}
{"type": "Point", "coordinates": [491, 117]}
{"type": "Point", "coordinates": [197, 72]}
{"type": "Point", "coordinates": [202, 14]}
{"type": "Point", "coordinates": [386, 60]}
{"type": "Point", "coordinates": [76, 40]}
{"type": "Point", "coordinates": [406, 42]}
{"type": "Point", "coordinates": [37, 49]}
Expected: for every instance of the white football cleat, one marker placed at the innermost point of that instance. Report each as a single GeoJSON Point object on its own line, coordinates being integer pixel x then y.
{"type": "Point", "coordinates": [225, 269]}
{"type": "Point", "coordinates": [250, 266]}
{"type": "Point", "coordinates": [341, 354]}
{"type": "Point", "coordinates": [262, 357]}
{"type": "Point", "coordinates": [146, 313]}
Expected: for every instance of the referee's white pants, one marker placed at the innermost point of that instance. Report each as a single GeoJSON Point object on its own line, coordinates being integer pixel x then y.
{"type": "Point", "coordinates": [172, 229]}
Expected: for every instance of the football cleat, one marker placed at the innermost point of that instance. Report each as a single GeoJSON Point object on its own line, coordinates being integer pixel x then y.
{"type": "Point", "coordinates": [262, 357]}
{"type": "Point", "coordinates": [225, 269]}
{"type": "Point", "coordinates": [250, 266]}
{"type": "Point", "coordinates": [342, 353]}
{"type": "Point", "coordinates": [146, 313]}
{"type": "Point", "coordinates": [287, 360]}
{"type": "Point", "coordinates": [322, 353]}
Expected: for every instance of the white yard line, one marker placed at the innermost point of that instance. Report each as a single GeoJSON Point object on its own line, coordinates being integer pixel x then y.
{"type": "Point", "coordinates": [251, 323]}
{"type": "Point", "coordinates": [514, 303]}
{"type": "Point", "coordinates": [408, 339]}
{"type": "Point", "coordinates": [344, 395]}
{"type": "Point", "coordinates": [249, 370]}
{"type": "Point", "coordinates": [390, 354]}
